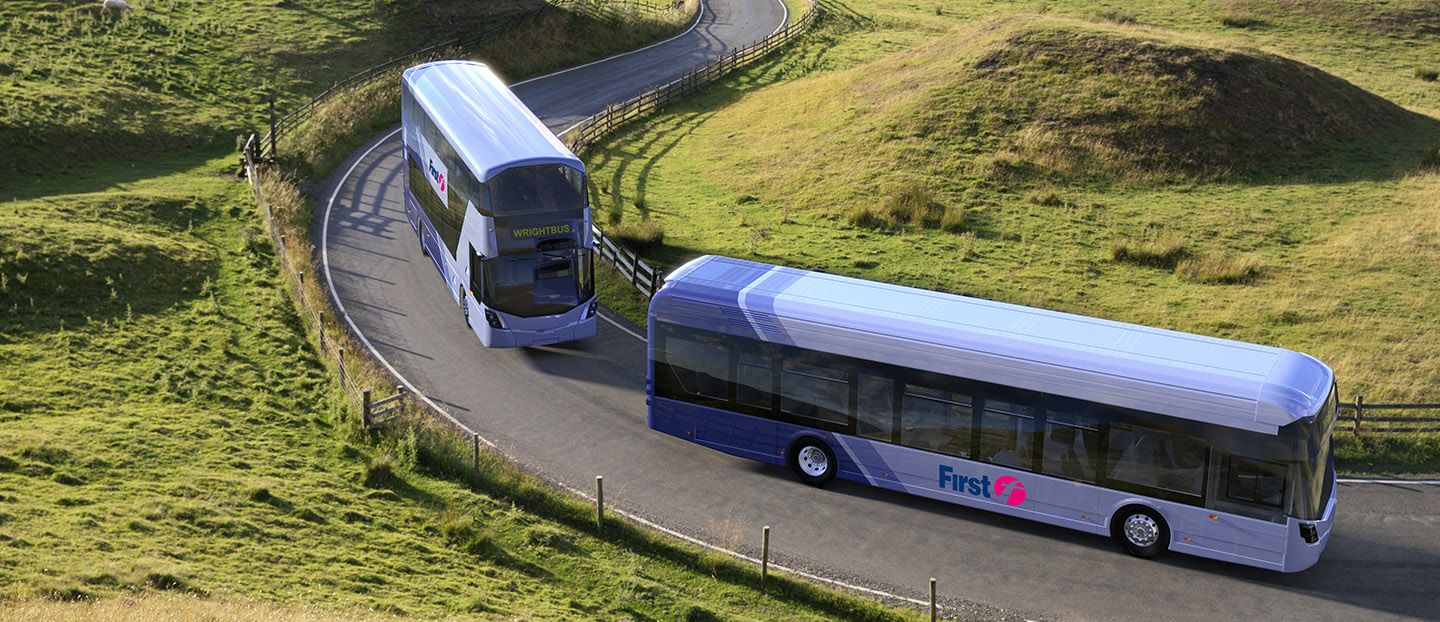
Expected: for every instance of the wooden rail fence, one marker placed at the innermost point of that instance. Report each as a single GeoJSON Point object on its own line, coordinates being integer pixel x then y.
{"type": "Point", "coordinates": [643, 276]}
{"type": "Point", "coordinates": [1427, 424]}
{"type": "Point", "coordinates": [603, 10]}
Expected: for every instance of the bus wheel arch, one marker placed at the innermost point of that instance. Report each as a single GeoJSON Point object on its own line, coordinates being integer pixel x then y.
{"type": "Point", "coordinates": [1141, 530]}
{"type": "Point", "coordinates": [812, 460]}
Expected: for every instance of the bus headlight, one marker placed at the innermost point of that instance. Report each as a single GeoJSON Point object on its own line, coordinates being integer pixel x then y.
{"type": "Point", "coordinates": [591, 311]}
{"type": "Point", "coordinates": [492, 319]}
{"type": "Point", "coordinates": [1309, 533]}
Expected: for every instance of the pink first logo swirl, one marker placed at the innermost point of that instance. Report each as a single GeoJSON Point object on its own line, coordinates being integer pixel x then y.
{"type": "Point", "coordinates": [1010, 489]}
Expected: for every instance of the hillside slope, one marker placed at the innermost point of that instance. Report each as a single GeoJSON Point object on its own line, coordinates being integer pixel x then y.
{"type": "Point", "coordinates": [1038, 99]}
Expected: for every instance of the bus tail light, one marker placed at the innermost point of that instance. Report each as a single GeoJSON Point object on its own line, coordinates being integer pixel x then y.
{"type": "Point", "coordinates": [492, 319]}
{"type": "Point", "coordinates": [1309, 533]}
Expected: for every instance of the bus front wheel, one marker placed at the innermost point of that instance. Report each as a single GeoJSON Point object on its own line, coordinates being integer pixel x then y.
{"type": "Point", "coordinates": [813, 461]}
{"type": "Point", "coordinates": [1141, 530]}
{"type": "Point", "coordinates": [465, 307]}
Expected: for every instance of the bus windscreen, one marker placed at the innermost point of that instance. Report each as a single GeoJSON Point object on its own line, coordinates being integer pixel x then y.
{"type": "Point", "coordinates": [537, 189]}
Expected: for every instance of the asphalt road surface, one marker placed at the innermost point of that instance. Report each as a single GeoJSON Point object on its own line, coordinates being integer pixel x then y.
{"type": "Point", "coordinates": [574, 411]}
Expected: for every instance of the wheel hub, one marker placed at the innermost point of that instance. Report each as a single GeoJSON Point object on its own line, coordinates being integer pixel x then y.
{"type": "Point", "coordinates": [1141, 530]}
{"type": "Point", "coordinates": [814, 461]}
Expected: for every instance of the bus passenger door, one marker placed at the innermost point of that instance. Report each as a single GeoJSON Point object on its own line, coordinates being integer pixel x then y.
{"type": "Point", "coordinates": [475, 275]}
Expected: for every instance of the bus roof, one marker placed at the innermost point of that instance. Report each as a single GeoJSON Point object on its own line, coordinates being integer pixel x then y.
{"type": "Point", "coordinates": [486, 123]}
{"type": "Point", "coordinates": [1230, 383]}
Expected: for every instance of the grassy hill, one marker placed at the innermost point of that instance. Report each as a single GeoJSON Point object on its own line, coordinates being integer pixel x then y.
{"type": "Point", "coordinates": [1269, 183]}
{"type": "Point", "coordinates": [171, 444]}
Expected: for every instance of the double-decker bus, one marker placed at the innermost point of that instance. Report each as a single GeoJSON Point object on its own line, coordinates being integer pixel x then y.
{"type": "Point", "coordinates": [1160, 439]}
{"type": "Point", "coordinates": [499, 205]}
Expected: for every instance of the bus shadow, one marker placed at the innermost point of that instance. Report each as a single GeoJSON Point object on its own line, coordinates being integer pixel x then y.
{"type": "Point", "coordinates": [1358, 568]}
{"type": "Point", "coordinates": [614, 360]}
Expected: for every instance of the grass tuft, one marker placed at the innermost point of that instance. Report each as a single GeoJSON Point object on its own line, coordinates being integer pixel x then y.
{"type": "Point", "coordinates": [1119, 16]}
{"type": "Point", "coordinates": [645, 235]}
{"type": "Point", "coordinates": [1239, 20]}
{"type": "Point", "coordinates": [1215, 269]}
{"type": "Point", "coordinates": [1427, 74]}
{"type": "Point", "coordinates": [1430, 157]}
{"type": "Point", "coordinates": [954, 219]}
{"type": "Point", "coordinates": [1163, 251]}
{"type": "Point", "coordinates": [380, 472]}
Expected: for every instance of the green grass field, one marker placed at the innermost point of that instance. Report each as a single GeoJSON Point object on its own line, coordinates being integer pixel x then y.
{"type": "Point", "coordinates": [1255, 171]}
{"type": "Point", "coordinates": [172, 445]}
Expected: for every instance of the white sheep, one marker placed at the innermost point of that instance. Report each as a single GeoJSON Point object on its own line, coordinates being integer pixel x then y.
{"type": "Point", "coordinates": [120, 6]}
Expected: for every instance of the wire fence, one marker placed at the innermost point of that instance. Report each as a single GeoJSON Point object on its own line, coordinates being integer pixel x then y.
{"type": "Point", "coordinates": [586, 133]}
{"type": "Point", "coordinates": [279, 127]}
{"type": "Point", "coordinates": [607, 11]}
{"type": "Point", "coordinates": [312, 312]}
{"type": "Point", "coordinates": [259, 150]}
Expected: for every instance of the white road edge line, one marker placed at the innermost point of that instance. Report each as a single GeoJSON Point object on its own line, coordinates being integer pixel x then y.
{"type": "Point", "coordinates": [340, 306]}
{"type": "Point", "coordinates": [621, 327]}
{"type": "Point", "coordinates": [1359, 480]}
{"type": "Point", "coordinates": [700, 14]}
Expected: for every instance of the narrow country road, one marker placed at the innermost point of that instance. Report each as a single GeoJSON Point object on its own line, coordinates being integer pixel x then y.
{"type": "Point", "coordinates": [575, 411]}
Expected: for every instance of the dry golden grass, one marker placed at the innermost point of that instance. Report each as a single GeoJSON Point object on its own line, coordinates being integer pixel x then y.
{"type": "Point", "coordinates": [292, 217]}
{"type": "Point", "coordinates": [330, 132]}
{"type": "Point", "coordinates": [173, 608]}
{"type": "Point", "coordinates": [1217, 269]}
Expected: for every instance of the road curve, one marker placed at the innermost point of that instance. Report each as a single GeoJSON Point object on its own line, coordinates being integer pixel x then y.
{"type": "Point", "coordinates": [574, 411]}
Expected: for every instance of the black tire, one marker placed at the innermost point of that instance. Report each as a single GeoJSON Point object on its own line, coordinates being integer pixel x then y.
{"type": "Point", "coordinates": [420, 233]}
{"type": "Point", "coordinates": [465, 307]}
{"type": "Point", "coordinates": [813, 461]}
{"type": "Point", "coordinates": [1141, 530]}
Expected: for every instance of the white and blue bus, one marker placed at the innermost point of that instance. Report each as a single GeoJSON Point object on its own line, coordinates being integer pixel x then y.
{"type": "Point", "coordinates": [1160, 439]}
{"type": "Point", "coordinates": [499, 205]}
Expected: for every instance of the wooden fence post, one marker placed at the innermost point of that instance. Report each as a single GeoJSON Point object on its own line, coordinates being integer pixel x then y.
{"type": "Point", "coordinates": [932, 599]}
{"type": "Point", "coordinates": [1359, 411]}
{"type": "Point", "coordinates": [600, 503]}
{"type": "Point", "coordinates": [765, 555]}
{"type": "Point", "coordinates": [475, 447]}
{"type": "Point", "coordinates": [365, 407]}
{"type": "Point", "coordinates": [273, 136]}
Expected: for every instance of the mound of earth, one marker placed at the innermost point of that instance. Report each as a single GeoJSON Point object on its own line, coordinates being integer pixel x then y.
{"type": "Point", "coordinates": [1034, 99]}
{"type": "Point", "coordinates": [59, 256]}
{"type": "Point", "coordinates": [1090, 100]}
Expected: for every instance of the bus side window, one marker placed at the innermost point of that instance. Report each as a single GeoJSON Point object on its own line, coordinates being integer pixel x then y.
{"type": "Point", "coordinates": [1254, 481]}
{"type": "Point", "coordinates": [1157, 458]}
{"type": "Point", "coordinates": [1071, 446]}
{"type": "Point", "coordinates": [755, 380]}
{"type": "Point", "coordinates": [702, 365]}
{"type": "Point", "coordinates": [1005, 430]}
{"type": "Point", "coordinates": [875, 407]}
{"type": "Point", "coordinates": [935, 420]}
{"type": "Point", "coordinates": [815, 391]}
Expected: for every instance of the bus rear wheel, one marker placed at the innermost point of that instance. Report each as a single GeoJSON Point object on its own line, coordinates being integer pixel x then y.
{"type": "Point", "coordinates": [1141, 530]}
{"type": "Point", "coordinates": [813, 461]}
